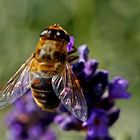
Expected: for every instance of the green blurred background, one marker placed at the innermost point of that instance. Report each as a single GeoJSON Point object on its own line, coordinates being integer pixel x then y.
{"type": "Point", "coordinates": [111, 29]}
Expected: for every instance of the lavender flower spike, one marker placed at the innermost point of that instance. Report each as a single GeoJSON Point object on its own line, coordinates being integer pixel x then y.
{"type": "Point", "coordinates": [118, 88]}
{"type": "Point", "coordinates": [99, 93]}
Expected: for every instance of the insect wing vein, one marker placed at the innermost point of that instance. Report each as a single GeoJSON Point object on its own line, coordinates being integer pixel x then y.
{"type": "Point", "coordinates": [70, 93]}
{"type": "Point", "coordinates": [16, 86]}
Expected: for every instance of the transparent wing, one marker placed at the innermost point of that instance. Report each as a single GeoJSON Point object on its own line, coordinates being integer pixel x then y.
{"type": "Point", "coordinates": [16, 86]}
{"type": "Point", "coordinates": [67, 89]}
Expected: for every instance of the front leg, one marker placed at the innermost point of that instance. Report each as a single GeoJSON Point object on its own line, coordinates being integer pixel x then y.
{"type": "Point", "coordinates": [74, 49]}
{"type": "Point", "coordinates": [72, 57]}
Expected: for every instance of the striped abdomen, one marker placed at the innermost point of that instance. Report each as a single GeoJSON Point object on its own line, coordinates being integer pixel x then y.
{"type": "Point", "coordinates": [43, 92]}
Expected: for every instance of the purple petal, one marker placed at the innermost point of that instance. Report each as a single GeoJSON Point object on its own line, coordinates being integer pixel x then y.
{"type": "Point", "coordinates": [63, 121]}
{"type": "Point", "coordinates": [35, 131]}
{"type": "Point", "coordinates": [83, 53]}
{"type": "Point", "coordinates": [68, 122]}
{"type": "Point", "coordinates": [70, 44]}
{"type": "Point", "coordinates": [49, 135]}
{"type": "Point", "coordinates": [59, 119]}
{"type": "Point", "coordinates": [118, 88]}
{"type": "Point", "coordinates": [99, 82]}
{"type": "Point", "coordinates": [16, 129]}
{"type": "Point", "coordinates": [90, 67]}
{"type": "Point", "coordinates": [97, 124]}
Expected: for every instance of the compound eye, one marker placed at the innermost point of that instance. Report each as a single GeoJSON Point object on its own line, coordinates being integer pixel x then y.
{"type": "Point", "coordinates": [44, 33]}
{"type": "Point", "coordinates": [59, 34]}
{"type": "Point", "coordinates": [51, 33]}
{"type": "Point", "coordinates": [62, 35]}
{"type": "Point", "coordinates": [55, 35]}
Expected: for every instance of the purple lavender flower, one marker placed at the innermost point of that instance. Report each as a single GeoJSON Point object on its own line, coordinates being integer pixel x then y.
{"type": "Point", "coordinates": [97, 125]}
{"type": "Point", "coordinates": [118, 88]}
{"type": "Point", "coordinates": [83, 53]}
{"type": "Point", "coordinates": [68, 122]}
{"type": "Point", "coordinates": [26, 121]}
{"type": "Point", "coordinates": [100, 94]}
{"type": "Point", "coordinates": [48, 135]}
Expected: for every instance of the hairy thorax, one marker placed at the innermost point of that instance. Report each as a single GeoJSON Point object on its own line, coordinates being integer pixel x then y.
{"type": "Point", "coordinates": [50, 58]}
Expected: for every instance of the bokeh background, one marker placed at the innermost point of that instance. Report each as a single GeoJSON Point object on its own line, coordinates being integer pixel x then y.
{"type": "Point", "coordinates": [111, 29]}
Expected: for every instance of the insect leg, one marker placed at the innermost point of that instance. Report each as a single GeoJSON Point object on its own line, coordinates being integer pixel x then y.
{"type": "Point", "coordinates": [73, 50]}
{"type": "Point", "coordinates": [71, 57]}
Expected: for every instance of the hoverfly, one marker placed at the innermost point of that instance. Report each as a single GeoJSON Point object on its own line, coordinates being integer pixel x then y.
{"type": "Point", "coordinates": [48, 74]}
